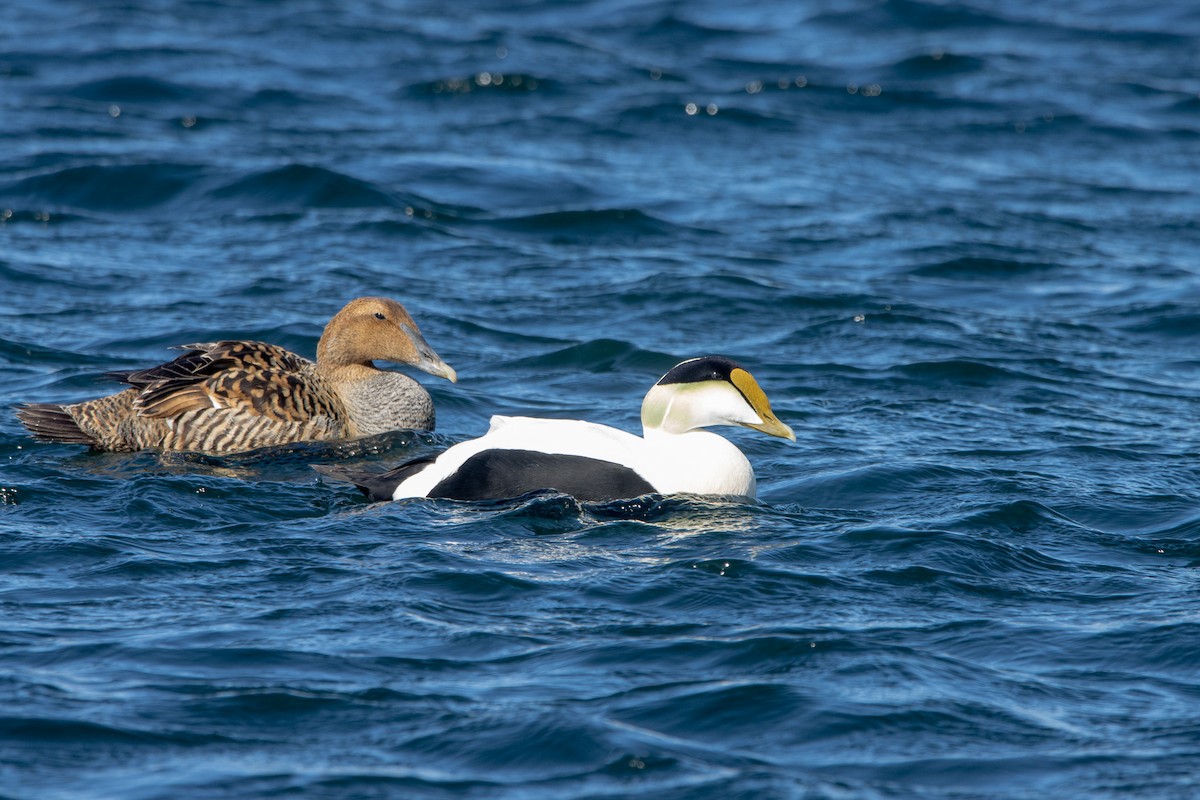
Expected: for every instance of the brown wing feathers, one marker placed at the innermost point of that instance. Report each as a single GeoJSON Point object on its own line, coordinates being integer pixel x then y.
{"type": "Point", "coordinates": [247, 376]}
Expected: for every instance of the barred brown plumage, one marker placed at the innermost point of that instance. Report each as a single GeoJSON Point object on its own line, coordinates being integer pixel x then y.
{"type": "Point", "coordinates": [232, 396]}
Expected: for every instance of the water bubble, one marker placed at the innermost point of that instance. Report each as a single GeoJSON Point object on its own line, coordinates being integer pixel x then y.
{"type": "Point", "coordinates": [656, 74]}
{"type": "Point", "coordinates": [800, 81]}
{"type": "Point", "coordinates": [691, 109]}
{"type": "Point", "coordinates": [501, 52]}
{"type": "Point", "coordinates": [188, 122]}
{"type": "Point", "coordinates": [114, 111]}
{"type": "Point", "coordinates": [852, 88]}
{"type": "Point", "coordinates": [938, 54]}
{"type": "Point", "coordinates": [754, 87]}
{"type": "Point", "coordinates": [860, 318]}
{"type": "Point", "coordinates": [872, 90]}
{"type": "Point", "coordinates": [484, 78]}
{"type": "Point", "coordinates": [784, 83]}
{"type": "Point", "coordinates": [1019, 127]}
{"type": "Point", "coordinates": [712, 109]}
{"type": "Point", "coordinates": [6, 214]}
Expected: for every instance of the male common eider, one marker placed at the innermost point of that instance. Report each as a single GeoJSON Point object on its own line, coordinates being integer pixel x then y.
{"type": "Point", "coordinates": [595, 462]}
{"type": "Point", "coordinates": [233, 396]}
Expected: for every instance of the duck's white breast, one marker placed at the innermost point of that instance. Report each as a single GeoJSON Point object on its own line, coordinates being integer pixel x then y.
{"type": "Point", "coordinates": [696, 462]}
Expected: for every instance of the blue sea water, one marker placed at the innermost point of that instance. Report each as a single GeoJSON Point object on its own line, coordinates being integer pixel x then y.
{"type": "Point", "coordinates": [958, 243]}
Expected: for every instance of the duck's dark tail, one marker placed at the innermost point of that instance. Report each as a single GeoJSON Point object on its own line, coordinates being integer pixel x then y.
{"type": "Point", "coordinates": [51, 422]}
{"type": "Point", "coordinates": [375, 485]}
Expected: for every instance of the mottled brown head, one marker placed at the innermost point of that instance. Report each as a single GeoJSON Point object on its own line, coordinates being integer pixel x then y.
{"type": "Point", "coordinates": [371, 328]}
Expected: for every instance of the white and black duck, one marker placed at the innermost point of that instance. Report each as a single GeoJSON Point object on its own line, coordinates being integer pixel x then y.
{"type": "Point", "coordinates": [594, 462]}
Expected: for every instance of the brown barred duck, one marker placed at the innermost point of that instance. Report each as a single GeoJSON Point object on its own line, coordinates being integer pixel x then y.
{"type": "Point", "coordinates": [232, 396]}
{"type": "Point", "coordinates": [595, 462]}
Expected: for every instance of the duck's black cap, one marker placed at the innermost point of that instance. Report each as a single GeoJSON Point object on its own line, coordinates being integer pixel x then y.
{"type": "Point", "coordinates": [696, 370]}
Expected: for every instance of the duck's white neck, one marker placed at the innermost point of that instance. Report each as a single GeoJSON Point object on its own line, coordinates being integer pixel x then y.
{"type": "Point", "coordinates": [678, 408]}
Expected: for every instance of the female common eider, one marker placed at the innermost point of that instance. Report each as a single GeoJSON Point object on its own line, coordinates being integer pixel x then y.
{"type": "Point", "coordinates": [232, 396]}
{"type": "Point", "coordinates": [595, 462]}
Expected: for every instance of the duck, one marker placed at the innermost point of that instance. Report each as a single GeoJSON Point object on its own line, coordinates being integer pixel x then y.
{"type": "Point", "coordinates": [233, 396]}
{"type": "Point", "coordinates": [598, 463]}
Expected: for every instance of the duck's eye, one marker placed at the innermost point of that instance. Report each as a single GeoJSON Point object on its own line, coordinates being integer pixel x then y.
{"type": "Point", "coordinates": [379, 315]}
